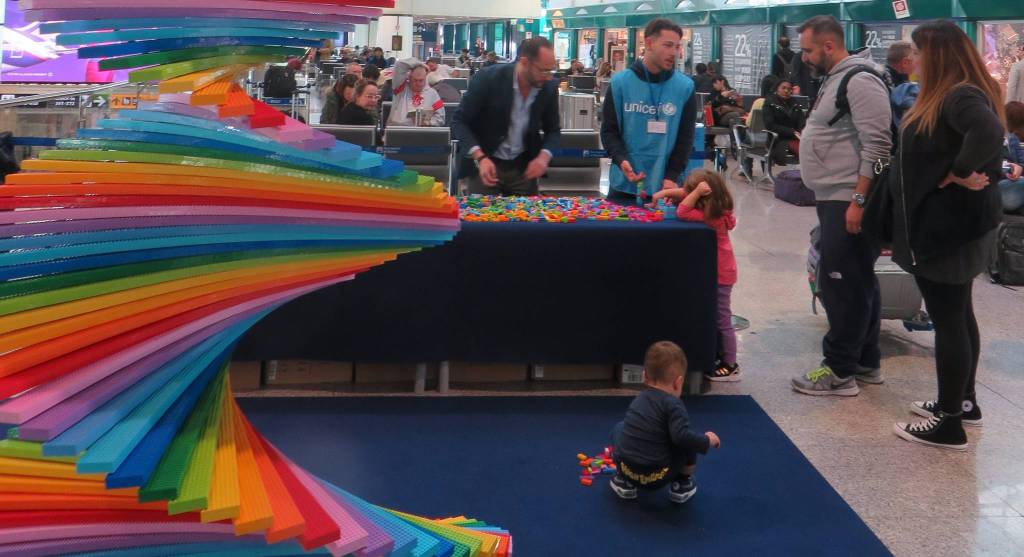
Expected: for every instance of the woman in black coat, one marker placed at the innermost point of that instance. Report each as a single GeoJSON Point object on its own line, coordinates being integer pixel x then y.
{"type": "Point", "coordinates": [786, 118]}
{"type": "Point", "coordinates": [362, 111]}
{"type": "Point", "coordinates": [946, 208]}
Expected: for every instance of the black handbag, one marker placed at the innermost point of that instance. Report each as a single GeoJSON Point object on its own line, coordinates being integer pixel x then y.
{"type": "Point", "coordinates": [877, 221]}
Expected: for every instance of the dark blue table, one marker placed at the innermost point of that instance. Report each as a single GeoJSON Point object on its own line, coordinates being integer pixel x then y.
{"type": "Point", "coordinates": [587, 292]}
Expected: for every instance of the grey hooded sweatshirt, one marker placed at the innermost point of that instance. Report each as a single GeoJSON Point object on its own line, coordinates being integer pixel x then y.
{"type": "Point", "coordinates": [832, 157]}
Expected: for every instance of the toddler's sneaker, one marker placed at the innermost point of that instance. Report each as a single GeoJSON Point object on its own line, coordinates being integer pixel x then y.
{"type": "Point", "coordinates": [682, 490]}
{"type": "Point", "coordinates": [623, 487]}
{"type": "Point", "coordinates": [724, 373]}
{"type": "Point", "coordinates": [939, 430]}
{"type": "Point", "coordinates": [928, 408]}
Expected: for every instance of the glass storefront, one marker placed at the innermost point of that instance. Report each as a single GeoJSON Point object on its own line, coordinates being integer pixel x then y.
{"type": "Point", "coordinates": [616, 46]}
{"type": "Point", "coordinates": [686, 55]}
{"type": "Point", "coordinates": [563, 42]}
{"type": "Point", "coordinates": [587, 51]}
{"type": "Point", "coordinates": [1000, 46]}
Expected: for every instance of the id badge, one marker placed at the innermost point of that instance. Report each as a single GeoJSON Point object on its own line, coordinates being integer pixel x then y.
{"type": "Point", "coordinates": [657, 126]}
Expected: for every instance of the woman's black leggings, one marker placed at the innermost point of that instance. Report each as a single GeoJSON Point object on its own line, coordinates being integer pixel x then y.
{"type": "Point", "coordinates": [957, 341]}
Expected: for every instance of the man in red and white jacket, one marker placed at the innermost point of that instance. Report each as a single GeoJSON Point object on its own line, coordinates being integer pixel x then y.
{"type": "Point", "coordinates": [415, 103]}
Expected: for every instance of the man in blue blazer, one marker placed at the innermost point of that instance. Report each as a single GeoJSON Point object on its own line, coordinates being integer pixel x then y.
{"type": "Point", "coordinates": [500, 120]}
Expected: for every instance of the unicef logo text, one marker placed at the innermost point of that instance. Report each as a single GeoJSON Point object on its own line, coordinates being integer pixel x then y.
{"type": "Point", "coordinates": [667, 108]}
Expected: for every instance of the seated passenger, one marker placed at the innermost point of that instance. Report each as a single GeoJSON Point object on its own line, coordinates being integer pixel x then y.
{"type": "Point", "coordinates": [362, 111]}
{"type": "Point", "coordinates": [786, 118]}
{"type": "Point", "coordinates": [725, 103]}
{"type": "Point", "coordinates": [446, 91]}
{"type": "Point", "coordinates": [1012, 186]}
{"type": "Point", "coordinates": [341, 94]}
{"type": "Point", "coordinates": [415, 103]}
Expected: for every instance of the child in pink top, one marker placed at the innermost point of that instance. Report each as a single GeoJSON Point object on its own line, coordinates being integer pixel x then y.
{"type": "Point", "coordinates": [705, 198]}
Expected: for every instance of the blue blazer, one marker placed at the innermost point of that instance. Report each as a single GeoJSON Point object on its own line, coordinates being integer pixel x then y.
{"type": "Point", "coordinates": [484, 113]}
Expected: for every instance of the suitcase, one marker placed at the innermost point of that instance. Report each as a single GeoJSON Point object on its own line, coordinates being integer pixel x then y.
{"type": "Point", "coordinates": [577, 111]}
{"type": "Point", "coordinates": [1008, 265]}
{"type": "Point", "coordinates": [901, 298]}
{"type": "Point", "coordinates": [789, 187]}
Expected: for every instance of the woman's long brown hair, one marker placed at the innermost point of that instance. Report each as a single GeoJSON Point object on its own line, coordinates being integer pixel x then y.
{"type": "Point", "coordinates": [720, 200]}
{"type": "Point", "coordinates": [948, 59]}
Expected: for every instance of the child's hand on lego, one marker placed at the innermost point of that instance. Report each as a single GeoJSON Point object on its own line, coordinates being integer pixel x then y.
{"type": "Point", "coordinates": [703, 189]}
{"type": "Point", "coordinates": [715, 441]}
{"type": "Point", "coordinates": [657, 196]}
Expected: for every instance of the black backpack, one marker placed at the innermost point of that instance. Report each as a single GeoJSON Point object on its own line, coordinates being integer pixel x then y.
{"type": "Point", "coordinates": [279, 82]}
{"type": "Point", "coordinates": [1008, 265]}
{"type": "Point", "coordinates": [789, 68]}
{"type": "Point", "coordinates": [843, 102]}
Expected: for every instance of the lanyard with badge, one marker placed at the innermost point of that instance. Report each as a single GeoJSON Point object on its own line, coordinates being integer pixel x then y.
{"type": "Point", "coordinates": [656, 125]}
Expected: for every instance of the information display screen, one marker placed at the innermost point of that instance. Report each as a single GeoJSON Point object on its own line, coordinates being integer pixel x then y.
{"type": "Point", "coordinates": [31, 57]}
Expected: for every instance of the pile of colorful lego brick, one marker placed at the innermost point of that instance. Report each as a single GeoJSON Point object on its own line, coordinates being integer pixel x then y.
{"type": "Point", "coordinates": [591, 466]}
{"type": "Point", "coordinates": [486, 208]}
{"type": "Point", "coordinates": [135, 255]}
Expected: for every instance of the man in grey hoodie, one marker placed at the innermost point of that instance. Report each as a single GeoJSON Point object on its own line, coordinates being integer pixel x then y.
{"type": "Point", "coordinates": [837, 161]}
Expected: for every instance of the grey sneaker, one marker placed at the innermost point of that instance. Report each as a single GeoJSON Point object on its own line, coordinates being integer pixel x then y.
{"type": "Point", "coordinates": [822, 382]}
{"type": "Point", "coordinates": [871, 376]}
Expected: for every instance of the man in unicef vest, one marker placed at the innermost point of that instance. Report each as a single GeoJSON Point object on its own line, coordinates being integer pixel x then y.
{"type": "Point", "coordinates": [648, 118]}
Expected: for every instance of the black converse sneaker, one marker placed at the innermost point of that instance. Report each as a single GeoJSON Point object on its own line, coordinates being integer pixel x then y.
{"type": "Point", "coordinates": [682, 490]}
{"type": "Point", "coordinates": [927, 408]}
{"type": "Point", "coordinates": [623, 487]}
{"type": "Point", "coordinates": [940, 430]}
{"type": "Point", "coordinates": [724, 372]}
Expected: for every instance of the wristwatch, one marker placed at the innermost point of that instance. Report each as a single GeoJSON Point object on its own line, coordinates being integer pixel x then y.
{"type": "Point", "coordinates": [859, 200]}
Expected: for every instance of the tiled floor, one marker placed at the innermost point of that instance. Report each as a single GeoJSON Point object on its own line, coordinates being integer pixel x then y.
{"type": "Point", "coordinates": [920, 501]}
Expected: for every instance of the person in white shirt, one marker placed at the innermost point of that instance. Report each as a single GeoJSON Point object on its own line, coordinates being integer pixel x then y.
{"type": "Point", "coordinates": [435, 67]}
{"type": "Point", "coordinates": [415, 103]}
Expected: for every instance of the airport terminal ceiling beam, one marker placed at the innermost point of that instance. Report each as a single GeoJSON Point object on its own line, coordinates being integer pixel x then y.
{"type": "Point", "coordinates": [506, 9]}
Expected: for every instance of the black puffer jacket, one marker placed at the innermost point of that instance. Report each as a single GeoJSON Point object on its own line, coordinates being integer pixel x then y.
{"type": "Point", "coordinates": [783, 117]}
{"type": "Point", "coordinates": [930, 222]}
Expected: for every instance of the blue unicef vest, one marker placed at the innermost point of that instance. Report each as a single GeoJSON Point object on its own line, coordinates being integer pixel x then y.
{"type": "Point", "coordinates": [634, 106]}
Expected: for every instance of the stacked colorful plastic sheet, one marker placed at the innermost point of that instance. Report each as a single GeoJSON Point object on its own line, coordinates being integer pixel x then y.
{"type": "Point", "coordinates": [135, 255]}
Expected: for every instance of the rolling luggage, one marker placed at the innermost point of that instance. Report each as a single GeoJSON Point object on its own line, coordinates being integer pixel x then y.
{"type": "Point", "coordinates": [789, 187]}
{"type": "Point", "coordinates": [901, 298]}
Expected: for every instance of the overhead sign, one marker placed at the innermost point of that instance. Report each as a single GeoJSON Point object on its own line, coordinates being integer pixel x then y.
{"type": "Point", "coordinates": [120, 101]}
{"type": "Point", "coordinates": [746, 56]}
{"type": "Point", "coordinates": [700, 45]}
{"type": "Point", "coordinates": [901, 9]}
{"type": "Point", "coordinates": [878, 37]}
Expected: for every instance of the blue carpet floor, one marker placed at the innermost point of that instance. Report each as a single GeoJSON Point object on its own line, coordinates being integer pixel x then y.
{"type": "Point", "coordinates": [511, 462]}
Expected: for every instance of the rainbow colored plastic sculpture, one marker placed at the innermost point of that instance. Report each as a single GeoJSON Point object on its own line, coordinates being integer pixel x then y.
{"type": "Point", "coordinates": [135, 255]}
